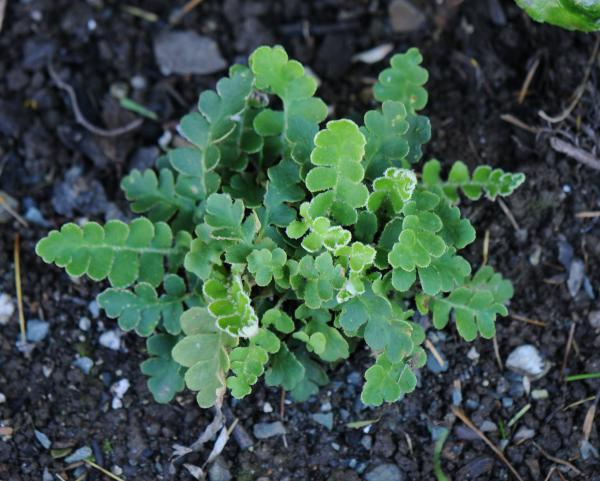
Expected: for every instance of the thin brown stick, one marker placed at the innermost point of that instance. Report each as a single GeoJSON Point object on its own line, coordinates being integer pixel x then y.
{"type": "Point", "coordinates": [568, 348]}
{"type": "Point", "coordinates": [102, 470]}
{"type": "Point", "coordinates": [509, 214]}
{"type": "Point", "coordinates": [17, 258]}
{"type": "Point", "coordinates": [463, 417]}
{"type": "Point", "coordinates": [588, 422]}
{"type": "Point", "coordinates": [178, 15]}
{"type": "Point", "coordinates": [575, 153]}
{"type": "Point", "coordinates": [438, 357]}
{"type": "Point", "coordinates": [80, 118]}
{"type": "Point", "coordinates": [511, 119]}
{"type": "Point", "coordinates": [535, 322]}
{"type": "Point", "coordinates": [550, 473]}
{"type": "Point", "coordinates": [497, 353]}
{"type": "Point", "coordinates": [588, 214]}
{"type": "Point", "coordinates": [578, 91]}
{"type": "Point", "coordinates": [555, 459]}
{"type": "Point", "coordinates": [527, 82]}
{"type": "Point", "coordinates": [6, 206]}
{"type": "Point", "coordinates": [486, 246]}
{"type": "Point", "coordinates": [577, 403]}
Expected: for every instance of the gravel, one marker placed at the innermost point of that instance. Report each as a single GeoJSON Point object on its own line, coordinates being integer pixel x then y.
{"type": "Point", "coordinates": [7, 308]}
{"type": "Point", "coordinates": [37, 330]}
{"type": "Point", "coordinates": [385, 472]}
{"type": "Point", "coordinates": [268, 430]}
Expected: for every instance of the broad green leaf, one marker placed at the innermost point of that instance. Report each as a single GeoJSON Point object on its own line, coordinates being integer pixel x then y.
{"type": "Point", "coordinates": [142, 309]}
{"type": "Point", "coordinates": [230, 304]}
{"type": "Point", "coordinates": [357, 256]}
{"type": "Point", "coordinates": [285, 369]}
{"type": "Point", "coordinates": [302, 113]}
{"type": "Point", "coordinates": [280, 320]}
{"type": "Point", "coordinates": [158, 198]}
{"type": "Point", "coordinates": [394, 189]}
{"type": "Point", "coordinates": [165, 375]}
{"type": "Point", "coordinates": [266, 265]}
{"type": "Point", "coordinates": [324, 340]}
{"type": "Point", "coordinates": [387, 381]}
{"type": "Point", "coordinates": [338, 174]}
{"type": "Point", "coordinates": [204, 351]}
{"type": "Point", "coordinates": [224, 216]}
{"type": "Point", "coordinates": [403, 81]}
{"type": "Point", "coordinates": [484, 181]}
{"type": "Point", "coordinates": [385, 131]}
{"type": "Point", "coordinates": [322, 233]}
{"type": "Point", "coordinates": [419, 242]}
{"type": "Point", "coordinates": [315, 280]}
{"type": "Point", "coordinates": [123, 253]}
{"type": "Point", "coordinates": [314, 377]}
{"type": "Point", "coordinates": [283, 187]}
{"type": "Point", "coordinates": [475, 305]}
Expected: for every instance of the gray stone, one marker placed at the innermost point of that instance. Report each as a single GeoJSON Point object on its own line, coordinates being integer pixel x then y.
{"type": "Point", "coordinates": [324, 419]}
{"type": "Point", "coordinates": [523, 434]}
{"type": "Point", "coordinates": [79, 455]}
{"type": "Point", "coordinates": [526, 360]}
{"type": "Point", "coordinates": [385, 472]}
{"type": "Point", "coordinates": [268, 430]}
{"type": "Point", "coordinates": [111, 339]}
{"type": "Point", "coordinates": [219, 471]}
{"type": "Point", "coordinates": [84, 363]}
{"type": "Point", "coordinates": [405, 17]}
{"type": "Point", "coordinates": [37, 330]}
{"type": "Point", "coordinates": [42, 439]}
{"type": "Point", "coordinates": [575, 280]}
{"type": "Point", "coordinates": [186, 52]}
{"type": "Point", "coordinates": [593, 318]}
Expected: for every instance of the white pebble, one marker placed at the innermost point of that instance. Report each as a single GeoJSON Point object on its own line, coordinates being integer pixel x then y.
{"type": "Point", "coordinates": [111, 339]}
{"type": "Point", "coordinates": [2, 398]}
{"type": "Point", "coordinates": [85, 324]}
{"type": "Point", "coordinates": [119, 389]}
{"type": "Point", "coordinates": [473, 354]}
{"type": "Point", "coordinates": [267, 408]}
{"type": "Point", "coordinates": [7, 308]}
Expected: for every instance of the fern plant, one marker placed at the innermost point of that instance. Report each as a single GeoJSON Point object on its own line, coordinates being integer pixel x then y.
{"type": "Point", "coordinates": [269, 244]}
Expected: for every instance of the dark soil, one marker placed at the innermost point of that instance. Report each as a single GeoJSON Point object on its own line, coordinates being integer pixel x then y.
{"type": "Point", "coordinates": [478, 57]}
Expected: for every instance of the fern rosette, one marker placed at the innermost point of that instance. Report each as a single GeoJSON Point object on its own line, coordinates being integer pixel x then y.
{"type": "Point", "coordinates": [269, 241]}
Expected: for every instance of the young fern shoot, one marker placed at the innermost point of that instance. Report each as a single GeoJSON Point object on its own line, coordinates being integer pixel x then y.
{"type": "Point", "coordinates": [270, 241]}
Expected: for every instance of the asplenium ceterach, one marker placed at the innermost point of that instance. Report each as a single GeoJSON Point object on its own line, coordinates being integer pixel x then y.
{"type": "Point", "coordinates": [272, 238]}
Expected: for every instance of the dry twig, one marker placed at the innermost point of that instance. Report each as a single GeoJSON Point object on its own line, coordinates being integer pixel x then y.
{"type": "Point", "coordinates": [178, 15]}
{"type": "Point", "coordinates": [17, 258]}
{"type": "Point", "coordinates": [508, 213]}
{"type": "Point", "coordinates": [578, 91]}
{"type": "Point", "coordinates": [588, 214]}
{"type": "Point", "coordinates": [511, 119]}
{"type": "Point", "coordinates": [574, 152]}
{"type": "Point", "coordinates": [528, 78]}
{"type": "Point", "coordinates": [535, 322]}
{"type": "Point", "coordinates": [568, 348]}
{"type": "Point", "coordinates": [6, 206]}
{"type": "Point", "coordinates": [438, 357]}
{"type": "Point", "coordinates": [555, 459]}
{"type": "Point", "coordinates": [463, 417]}
{"type": "Point", "coordinates": [80, 118]}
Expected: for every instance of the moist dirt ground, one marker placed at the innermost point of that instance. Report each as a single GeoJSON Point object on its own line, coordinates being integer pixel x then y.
{"type": "Point", "coordinates": [479, 54]}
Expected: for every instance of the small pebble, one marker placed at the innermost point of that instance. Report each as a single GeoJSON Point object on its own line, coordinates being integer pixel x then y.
{"type": "Point", "coordinates": [111, 339]}
{"type": "Point", "coordinates": [267, 408]}
{"type": "Point", "coordinates": [94, 309]}
{"type": "Point", "coordinates": [526, 360]}
{"type": "Point", "coordinates": [218, 471]}
{"type": "Point", "coordinates": [34, 216]}
{"type": "Point", "coordinates": [535, 256]}
{"type": "Point", "coordinates": [324, 419]}
{"type": "Point", "coordinates": [43, 439]}
{"type": "Point", "coordinates": [488, 427]}
{"type": "Point", "coordinates": [523, 434]}
{"type": "Point", "coordinates": [507, 402]}
{"type": "Point", "coordinates": [326, 406]}
{"type": "Point", "coordinates": [84, 363]}
{"type": "Point", "coordinates": [138, 82]}
{"type": "Point", "coordinates": [37, 330]}
{"type": "Point", "coordinates": [587, 449]}
{"type": "Point", "coordinates": [385, 472]}
{"type": "Point", "coordinates": [2, 398]}
{"type": "Point", "coordinates": [85, 324]}
{"type": "Point", "coordinates": [593, 318]}
{"type": "Point", "coordinates": [79, 455]}
{"type": "Point", "coordinates": [539, 394]}
{"type": "Point", "coordinates": [576, 273]}
{"type": "Point", "coordinates": [268, 430]}
{"type": "Point", "coordinates": [119, 389]}
{"type": "Point", "coordinates": [367, 442]}
{"type": "Point", "coordinates": [473, 355]}
{"type": "Point", "coordinates": [7, 308]}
